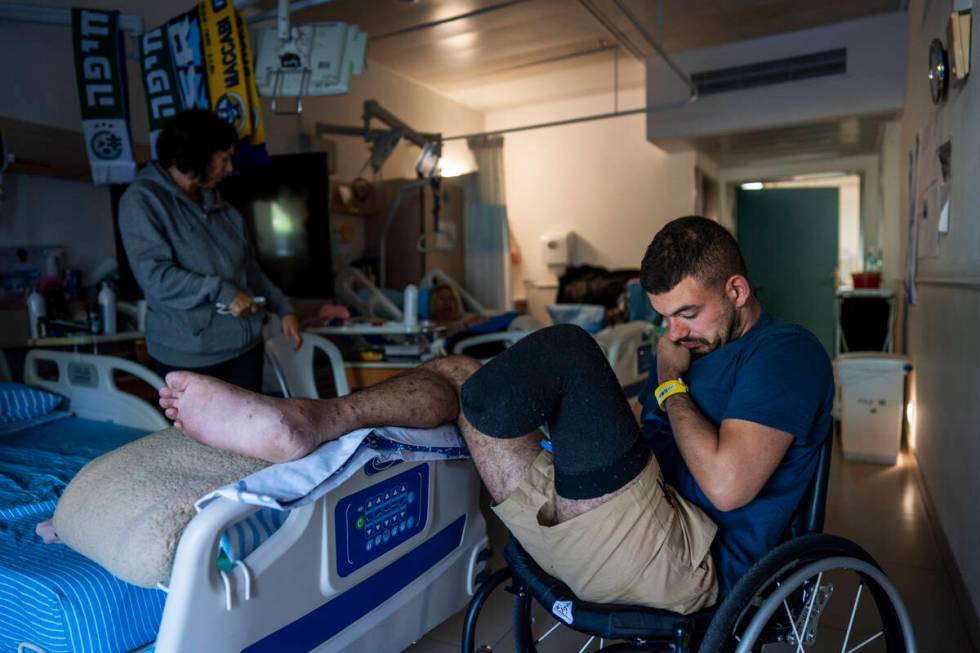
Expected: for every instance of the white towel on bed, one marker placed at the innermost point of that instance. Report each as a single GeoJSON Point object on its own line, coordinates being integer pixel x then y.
{"type": "Point", "coordinates": [296, 483]}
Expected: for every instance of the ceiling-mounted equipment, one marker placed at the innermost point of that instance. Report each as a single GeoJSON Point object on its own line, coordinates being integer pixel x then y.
{"type": "Point", "coordinates": [306, 60]}
{"type": "Point", "coordinates": [938, 71]}
{"type": "Point", "coordinates": [383, 141]}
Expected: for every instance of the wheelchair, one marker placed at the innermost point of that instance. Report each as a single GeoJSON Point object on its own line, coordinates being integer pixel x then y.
{"type": "Point", "coordinates": [776, 607]}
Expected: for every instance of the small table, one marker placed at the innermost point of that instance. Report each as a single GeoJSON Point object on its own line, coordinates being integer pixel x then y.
{"type": "Point", "coordinates": [361, 374]}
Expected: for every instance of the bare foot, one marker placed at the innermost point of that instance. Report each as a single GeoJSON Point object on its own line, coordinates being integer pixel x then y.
{"type": "Point", "coordinates": [221, 415]}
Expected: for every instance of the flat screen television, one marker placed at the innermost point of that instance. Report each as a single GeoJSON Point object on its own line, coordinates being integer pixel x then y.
{"type": "Point", "coordinates": [285, 206]}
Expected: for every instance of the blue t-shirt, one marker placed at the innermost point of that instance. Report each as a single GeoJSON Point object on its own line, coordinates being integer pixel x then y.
{"type": "Point", "coordinates": [777, 375]}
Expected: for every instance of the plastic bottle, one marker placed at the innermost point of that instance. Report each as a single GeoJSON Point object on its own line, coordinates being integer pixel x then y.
{"type": "Point", "coordinates": [107, 305]}
{"type": "Point", "coordinates": [36, 309]}
{"type": "Point", "coordinates": [410, 305]}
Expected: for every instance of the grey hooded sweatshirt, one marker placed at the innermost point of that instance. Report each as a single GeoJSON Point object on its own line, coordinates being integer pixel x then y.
{"type": "Point", "coordinates": [187, 259]}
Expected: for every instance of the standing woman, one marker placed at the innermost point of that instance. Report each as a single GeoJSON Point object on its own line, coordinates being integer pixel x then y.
{"type": "Point", "coordinates": [191, 256]}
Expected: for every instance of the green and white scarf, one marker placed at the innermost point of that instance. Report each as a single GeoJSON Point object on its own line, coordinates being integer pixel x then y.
{"type": "Point", "coordinates": [99, 73]}
{"type": "Point", "coordinates": [163, 100]}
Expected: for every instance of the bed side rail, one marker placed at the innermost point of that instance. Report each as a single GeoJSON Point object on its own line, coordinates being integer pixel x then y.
{"type": "Point", "coordinates": [86, 380]}
{"type": "Point", "coordinates": [437, 276]}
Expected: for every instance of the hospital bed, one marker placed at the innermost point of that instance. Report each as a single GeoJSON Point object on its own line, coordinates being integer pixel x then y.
{"type": "Point", "coordinates": [629, 347]}
{"type": "Point", "coordinates": [312, 586]}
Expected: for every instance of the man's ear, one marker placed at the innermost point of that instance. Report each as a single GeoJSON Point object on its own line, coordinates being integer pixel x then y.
{"type": "Point", "coordinates": [738, 290]}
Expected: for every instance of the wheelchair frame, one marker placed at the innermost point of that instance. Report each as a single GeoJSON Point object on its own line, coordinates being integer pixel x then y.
{"type": "Point", "coordinates": [789, 568]}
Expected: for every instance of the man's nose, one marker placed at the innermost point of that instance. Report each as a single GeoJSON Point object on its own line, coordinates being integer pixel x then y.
{"type": "Point", "coordinates": [676, 331]}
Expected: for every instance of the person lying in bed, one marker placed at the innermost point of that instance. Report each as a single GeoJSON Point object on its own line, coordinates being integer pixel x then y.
{"type": "Point", "coordinates": [668, 515]}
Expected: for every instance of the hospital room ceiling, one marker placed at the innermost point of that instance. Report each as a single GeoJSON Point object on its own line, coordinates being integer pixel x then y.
{"type": "Point", "coordinates": [498, 54]}
{"type": "Point", "coordinates": [829, 139]}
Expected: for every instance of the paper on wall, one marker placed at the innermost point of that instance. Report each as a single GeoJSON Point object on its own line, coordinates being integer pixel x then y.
{"type": "Point", "coordinates": [944, 219]}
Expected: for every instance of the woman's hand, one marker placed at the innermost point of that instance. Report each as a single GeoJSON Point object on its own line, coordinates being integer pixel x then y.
{"type": "Point", "coordinates": [242, 305]}
{"type": "Point", "coordinates": [290, 329]}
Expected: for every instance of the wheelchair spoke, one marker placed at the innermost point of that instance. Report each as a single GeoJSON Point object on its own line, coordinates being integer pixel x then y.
{"type": "Point", "coordinates": [850, 624]}
{"type": "Point", "coordinates": [809, 612]}
{"type": "Point", "coordinates": [792, 624]}
{"type": "Point", "coordinates": [547, 632]}
{"type": "Point", "coordinates": [867, 641]}
{"type": "Point", "coordinates": [587, 644]}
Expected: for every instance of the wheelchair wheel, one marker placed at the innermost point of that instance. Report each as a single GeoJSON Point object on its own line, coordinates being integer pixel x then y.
{"type": "Point", "coordinates": [818, 592]}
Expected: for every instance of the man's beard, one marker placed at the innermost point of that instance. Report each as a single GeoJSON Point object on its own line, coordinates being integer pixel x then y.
{"type": "Point", "coordinates": [733, 324]}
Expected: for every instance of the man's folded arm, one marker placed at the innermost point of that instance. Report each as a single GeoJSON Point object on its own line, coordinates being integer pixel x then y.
{"type": "Point", "coordinates": [731, 464]}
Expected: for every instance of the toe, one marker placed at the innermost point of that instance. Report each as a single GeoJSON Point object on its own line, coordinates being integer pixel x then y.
{"type": "Point", "coordinates": [168, 403]}
{"type": "Point", "coordinates": [178, 381]}
{"type": "Point", "coordinates": [179, 425]}
{"type": "Point", "coordinates": [171, 413]}
{"type": "Point", "coordinates": [166, 392]}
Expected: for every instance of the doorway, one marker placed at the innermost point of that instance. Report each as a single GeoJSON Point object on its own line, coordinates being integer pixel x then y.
{"type": "Point", "coordinates": [789, 238]}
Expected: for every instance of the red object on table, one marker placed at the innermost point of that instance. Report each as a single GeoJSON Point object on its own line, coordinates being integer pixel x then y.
{"type": "Point", "coordinates": [866, 279]}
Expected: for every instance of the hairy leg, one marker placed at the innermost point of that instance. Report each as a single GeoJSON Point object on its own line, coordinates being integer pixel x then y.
{"type": "Point", "coordinates": [279, 430]}
{"type": "Point", "coordinates": [560, 377]}
{"type": "Point", "coordinates": [502, 464]}
{"type": "Point", "coordinates": [274, 429]}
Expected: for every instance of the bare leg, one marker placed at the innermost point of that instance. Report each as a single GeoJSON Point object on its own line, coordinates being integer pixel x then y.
{"type": "Point", "coordinates": [560, 376]}
{"type": "Point", "coordinates": [502, 464]}
{"type": "Point", "coordinates": [278, 430]}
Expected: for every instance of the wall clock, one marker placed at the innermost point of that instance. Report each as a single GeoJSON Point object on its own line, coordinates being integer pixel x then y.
{"type": "Point", "coordinates": [938, 71]}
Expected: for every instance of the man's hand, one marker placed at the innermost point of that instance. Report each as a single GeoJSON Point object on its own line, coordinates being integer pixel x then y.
{"type": "Point", "coordinates": [290, 328]}
{"type": "Point", "coordinates": [242, 305]}
{"type": "Point", "coordinates": [672, 359]}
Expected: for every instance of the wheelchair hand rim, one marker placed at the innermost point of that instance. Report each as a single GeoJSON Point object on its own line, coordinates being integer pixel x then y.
{"type": "Point", "coordinates": [788, 586]}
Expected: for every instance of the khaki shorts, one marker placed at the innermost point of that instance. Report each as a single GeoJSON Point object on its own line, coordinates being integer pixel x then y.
{"type": "Point", "coordinates": [645, 546]}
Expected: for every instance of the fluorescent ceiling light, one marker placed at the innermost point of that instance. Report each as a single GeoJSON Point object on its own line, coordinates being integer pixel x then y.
{"type": "Point", "coordinates": [753, 185]}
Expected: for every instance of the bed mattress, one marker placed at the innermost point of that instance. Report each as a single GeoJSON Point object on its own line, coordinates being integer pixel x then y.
{"type": "Point", "coordinates": [50, 596]}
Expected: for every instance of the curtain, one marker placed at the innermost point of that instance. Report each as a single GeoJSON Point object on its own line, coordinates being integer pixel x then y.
{"type": "Point", "coordinates": [487, 246]}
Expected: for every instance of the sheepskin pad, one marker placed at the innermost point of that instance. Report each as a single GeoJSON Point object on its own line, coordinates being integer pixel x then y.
{"type": "Point", "coordinates": [127, 509]}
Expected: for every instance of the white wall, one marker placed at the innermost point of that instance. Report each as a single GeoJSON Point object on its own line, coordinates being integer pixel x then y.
{"type": "Point", "coordinates": [44, 92]}
{"type": "Point", "coordinates": [943, 339]}
{"type": "Point", "coordinates": [600, 179]}
{"type": "Point", "coordinates": [873, 83]}
{"type": "Point", "coordinates": [45, 211]}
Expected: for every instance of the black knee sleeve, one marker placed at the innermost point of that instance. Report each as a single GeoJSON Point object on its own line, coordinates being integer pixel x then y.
{"type": "Point", "coordinates": [559, 376]}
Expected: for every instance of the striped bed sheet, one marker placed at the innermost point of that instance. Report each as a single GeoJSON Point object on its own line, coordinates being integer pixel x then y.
{"type": "Point", "coordinates": [50, 596]}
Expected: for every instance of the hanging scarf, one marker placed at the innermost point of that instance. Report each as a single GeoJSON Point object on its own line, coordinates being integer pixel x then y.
{"type": "Point", "coordinates": [231, 80]}
{"type": "Point", "coordinates": [162, 91]}
{"type": "Point", "coordinates": [99, 74]}
{"type": "Point", "coordinates": [184, 35]}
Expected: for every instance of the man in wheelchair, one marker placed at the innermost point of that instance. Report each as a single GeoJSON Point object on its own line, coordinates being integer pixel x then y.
{"type": "Point", "coordinates": [667, 513]}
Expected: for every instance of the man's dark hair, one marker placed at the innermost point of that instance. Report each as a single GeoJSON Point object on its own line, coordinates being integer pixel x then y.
{"type": "Point", "coordinates": [691, 246]}
{"type": "Point", "coordinates": [191, 138]}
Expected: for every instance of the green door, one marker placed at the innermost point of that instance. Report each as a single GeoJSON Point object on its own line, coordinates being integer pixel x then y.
{"type": "Point", "coordinates": [789, 239]}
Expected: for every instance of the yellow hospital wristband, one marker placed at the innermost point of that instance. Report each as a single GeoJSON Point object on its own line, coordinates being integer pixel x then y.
{"type": "Point", "coordinates": [668, 388]}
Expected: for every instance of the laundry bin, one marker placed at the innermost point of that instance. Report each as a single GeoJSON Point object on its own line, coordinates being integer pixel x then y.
{"type": "Point", "coordinates": [871, 387]}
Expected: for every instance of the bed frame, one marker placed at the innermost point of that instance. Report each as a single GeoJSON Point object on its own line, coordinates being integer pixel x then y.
{"type": "Point", "coordinates": [88, 383]}
{"type": "Point", "coordinates": [289, 593]}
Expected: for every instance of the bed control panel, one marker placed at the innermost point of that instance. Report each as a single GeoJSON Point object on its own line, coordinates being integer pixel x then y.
{"type": "Point", "coordinates": [375, 520]}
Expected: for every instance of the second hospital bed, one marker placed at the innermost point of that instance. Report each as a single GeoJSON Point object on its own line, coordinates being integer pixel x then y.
{"type": "Point", "coordinates": [311, 586]}
{"type": "Point", "coordinates": [630, 347]}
